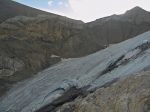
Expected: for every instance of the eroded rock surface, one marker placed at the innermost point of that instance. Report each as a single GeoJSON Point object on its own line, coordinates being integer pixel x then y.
{"type": "Point", "coordinates": [39, 39]}
{"type": "Point", "coordinates": [131, 94]}
{"type": "Point", "coordinates": [53, 87]}
{"type": "Point", "coordinates": [8, 66]}
{"type": "Point", "coordinates": [9, 9]}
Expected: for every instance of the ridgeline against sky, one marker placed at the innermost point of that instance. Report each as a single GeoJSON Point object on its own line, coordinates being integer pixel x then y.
{"type": "Point", "coordinates": [86, 10]}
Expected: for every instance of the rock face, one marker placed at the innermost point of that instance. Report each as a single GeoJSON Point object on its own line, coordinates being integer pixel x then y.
{"type": "Point", "coordinates": [34, 44]}
{"type": "Point", "coordinates": [9, 65]}
{"type": "Point", "coordinates": [35, 40]}
{"type": "Point", "coordinates": [116, 28]}
{"type": "Point", "coordinates": [66, 81]}
{"type": "Point", "coordinates": [131, 94]}
{"type": "Point", "coordinates": [9, 9]}
{"type": "Point", "coordinates": [60, 33]}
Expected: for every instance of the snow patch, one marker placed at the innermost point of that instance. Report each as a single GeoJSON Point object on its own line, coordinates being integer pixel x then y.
{"type": "Point", "coordinates": [54, 56]}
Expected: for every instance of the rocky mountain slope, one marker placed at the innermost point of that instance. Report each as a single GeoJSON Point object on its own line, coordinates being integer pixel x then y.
{"type": "Point", "coordinates": [64, 82]}
{"type": "Point", "coordinates": [9, 9]}
{"type": "Point", "coordinates": [116, 28]}
{"type": "Point", "coordinates": [24, 52]}
{"type": "Point", "coordinates": [131, 94]}
{"type": "Point", "coordinates": [31, 44]}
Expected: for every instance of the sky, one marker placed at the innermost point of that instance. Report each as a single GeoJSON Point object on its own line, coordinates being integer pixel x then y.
{"type": "Point", "coordinates": [86, 10]}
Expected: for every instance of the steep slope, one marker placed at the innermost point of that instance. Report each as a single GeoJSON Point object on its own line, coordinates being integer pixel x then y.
{"type": "Point", "coordinates": [140, 16]}
{"type": "Point", "coordinates": [116, 28]}
{"type": "Point", "coordinates": [9, 9]}
{"type": "Point", "coordinates": [131, 94]}
{"type": "Point", "coordinates": [65, 81]}
{"type": "Point", "coordinates": [31, 44]}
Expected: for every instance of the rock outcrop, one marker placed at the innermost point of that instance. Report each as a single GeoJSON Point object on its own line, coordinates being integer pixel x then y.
{"type": "Point", "coordinates": [116, 28]}
{"type": "Point", "coordinates": [64, 82]}
{"type": "Point", "coordinates": [9, 9]}
{"type": "Point", "coordinates": [34, 40]}
{"type": "Point", "coordinates": [37, 47]}
{"type": "Point", "coordinates": [131, 94]}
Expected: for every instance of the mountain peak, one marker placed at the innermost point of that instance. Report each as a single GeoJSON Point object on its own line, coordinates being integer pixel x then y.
{"type": "Point", "coordinates": [138, 15]}
{"type": "Point", "coordinates": [135, 10]}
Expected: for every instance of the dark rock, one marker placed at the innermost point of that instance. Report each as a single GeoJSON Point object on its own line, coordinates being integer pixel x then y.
{"type": "Point", "coordinates": [67, 96]}
{"type": "Point", "coordinates": [9, 9]}
{"type": "Point", "coordinates": [32, 39]}
{"type": "Point", "coordinates": [130, 94]}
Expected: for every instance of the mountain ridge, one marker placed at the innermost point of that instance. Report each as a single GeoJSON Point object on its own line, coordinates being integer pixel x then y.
{"type": "Point", "coordinates": [11, 9]}
{"type": "Point", "coordinates": [129, 12]}
{"type": "Point", "coordinates": [31, 12]}
{"type": "Point", "coordinates": [31, 44]}
{"type": "Point", "coordinates": [51, 63]}
{"type": "Point", "coordinates": [83, 75]}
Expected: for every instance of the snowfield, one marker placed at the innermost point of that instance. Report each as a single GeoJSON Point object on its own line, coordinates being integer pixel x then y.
{"type": "Point", "coordinates": [92, 71]}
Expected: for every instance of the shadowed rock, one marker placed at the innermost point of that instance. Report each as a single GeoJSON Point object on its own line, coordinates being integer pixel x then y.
{"type": "Point", "coordinates": [64, 82]}
{"type": "Point", "coordinates": [9, 9]}
{"type": "Point", "coordinates": [131, 94]}
{"type": "Point", "coordinates": [29, 40]}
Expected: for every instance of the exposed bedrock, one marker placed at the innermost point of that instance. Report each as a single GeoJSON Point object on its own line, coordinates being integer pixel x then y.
{"type": "Point", "coordinates": [79, 77]}
{"type": "Point", "coordinates": [38, 40]}
{"type": "Point", "coordinates": [131, 94]}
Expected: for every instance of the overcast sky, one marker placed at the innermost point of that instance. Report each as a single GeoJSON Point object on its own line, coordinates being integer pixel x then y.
{"type": "Point", "coordinates": [86, 10]}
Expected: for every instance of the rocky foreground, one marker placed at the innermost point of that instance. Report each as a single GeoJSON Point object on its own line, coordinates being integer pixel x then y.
{"type": "Point", "coordinates": [42, 68]}
{"type": "Point", "coordinates": [131, 94]}
{"type": "Point", "coordinates": [105, 71]}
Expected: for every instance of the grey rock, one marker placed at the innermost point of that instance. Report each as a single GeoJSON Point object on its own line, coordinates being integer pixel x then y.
{"type": "Point", "coordinates": [32, 37]}
{"type": "Point", "coordinates": [44, 89]}
{"type": "Point", "coordinates": [128, 94]}
{"type": "Point", "coordinates": [9, 9]}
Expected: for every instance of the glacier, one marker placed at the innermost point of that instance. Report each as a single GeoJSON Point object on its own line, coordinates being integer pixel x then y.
{"type": "Point", "coordinates": [92, 71]}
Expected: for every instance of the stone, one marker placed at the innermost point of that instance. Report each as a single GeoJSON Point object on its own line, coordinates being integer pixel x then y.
{"type": "Point", "coordinates": [131, 94]}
